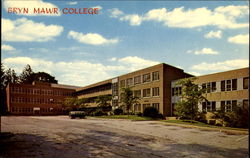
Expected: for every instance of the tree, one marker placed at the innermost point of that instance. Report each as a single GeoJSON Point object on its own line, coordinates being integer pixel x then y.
{"type": "Point", "coordinates": [26, 75]}
{"type": "Point", "coordinates": [43, 77]}
{"type": "Point", "coordinates": [104, 100]}
{"type": "Point", "coordinates": [127, 99]}
{"type": "Point", "coordinates": [191, 95]}
{"type": "Point", "coordinates": [72, 103]}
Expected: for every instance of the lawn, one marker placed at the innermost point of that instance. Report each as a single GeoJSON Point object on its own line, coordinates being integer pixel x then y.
{"type": "Point", "coordinates": [129, 117]}
{"type": "Point", "coordinates": [200, 124]}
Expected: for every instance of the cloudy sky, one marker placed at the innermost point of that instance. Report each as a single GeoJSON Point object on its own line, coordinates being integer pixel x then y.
{"type": "Point", "coordinates": [200, 37]}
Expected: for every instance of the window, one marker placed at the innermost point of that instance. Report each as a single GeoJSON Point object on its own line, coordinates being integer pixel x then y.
{"type": "Point", "coordinates": [129, 82]}
{"type": "Point", "coordinates": [122, 83]}
{"type": "Point", "coordinates": [156, 105]}
{"type": "Point", "coordinates": [115, 89]}
{"type": "Point", "coordinates": [245, 104]}
{"type": "Point", "coordinates": [213, 106]}
{"type": "Point", "coordinates": [172, 91]}
{"type": "Point", "coordinates": [137, 93]}
{"type": "Point", "coordinates": [222, 105]}
{"type": "Point", "coordinates": [155, 91]}
{"type": "Point", "coordinates": [234, 84]}
{"type": "Point", "coordinates": [208, 87]}
{"type": "Point", "coordinates": [146, 92]}
{"type": "Point", "coordinates": [145, 105]}
{"type": "Point", "coordinates": [229, 83]}
{"type": "Point", "coordinates": [204, 106]}
{"type": "Point", "coordinates": [146, 78]}
{"type": "Point", "coordinates": [245, 83]}
{"type": "Point", "coordinates": [137, 107]}
{"type": "Point", "coordinates": [213, 86]}
{"type": "Point", "coordinates": [209, 106]}
{"type": "Point", "coordinates": [155, 76]}
{"type": "Point", "coordinates": [223, 86]}
{"type": "Point", "coordinates": [137, 80]}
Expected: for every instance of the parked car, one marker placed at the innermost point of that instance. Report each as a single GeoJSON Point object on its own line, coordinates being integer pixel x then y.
{"type": "Point", "coordinates": [75, 114]}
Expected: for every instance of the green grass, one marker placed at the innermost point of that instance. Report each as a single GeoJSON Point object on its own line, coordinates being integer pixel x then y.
{"type": "Point", "coordinates": [200, 124]}
{"type": "Point", "coordinates": [129, 117]}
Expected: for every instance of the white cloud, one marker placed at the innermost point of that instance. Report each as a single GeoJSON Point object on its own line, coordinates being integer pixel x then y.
{"type": "Point", "coordinates": [222, 17]}
{"type": "Point", "coordinates": [24, 30]}
{"type": "Point", "coordinates": [79, 72]}
{"type": "Point", "coordinates": [194, 73]}
{"type": "Point", "coordinates": [213, 34]}
{"type": "Point", "coordinates": [72, 3]}
{"type": "Point", "coordinates": [135, 63]}
{"type": "Point", "coordinates": [239, 39]}
{"type": "Point", "coordinates": [7, 47]}
{"type": "Point", "coordinates": [91, 38]}
{"type": "Point", "coordinates": [204, 51]}
{"type": "Point", "coordinates": [222, 66]}
{"type": "Point", "coordinates": [31, 5]}
{"type": "Point", "coordinates": [99, 7]}
{"type": "Point", "coordinates": [113, 59]}
{"type": "Point", "coordinates": [115, 12]}
{"type": "Point", "coordinates": [133, 19]}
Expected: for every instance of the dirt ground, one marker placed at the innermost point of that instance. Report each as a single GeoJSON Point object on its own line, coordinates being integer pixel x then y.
{"type": "Point", "coordinates": [61, 137]}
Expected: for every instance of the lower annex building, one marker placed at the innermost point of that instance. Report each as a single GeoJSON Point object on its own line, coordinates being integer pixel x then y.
{"type": "Point", "coordinates": [38, 98]}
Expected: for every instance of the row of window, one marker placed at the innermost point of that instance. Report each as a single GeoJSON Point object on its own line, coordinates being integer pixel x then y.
{"type": "Point", "coordinates": [226, 85]}
{"type": "Point", "coordinates": [140, 79]}
{"type": "Point", "coordinates": [139, 107]}
{"type": "Point", "coordinates": [147, 92]}
{"type": "Point", "coordinates": [22, 90]}
{"type": "Point", "coordinates": [35, 100]}
{"type": "Point", "coordinates": [31, 110]}
{"type": "Point", "coordinates": [227, 105]}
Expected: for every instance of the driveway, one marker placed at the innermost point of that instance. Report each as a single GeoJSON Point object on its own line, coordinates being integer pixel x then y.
{"type": "Point", "coordinates": [59, 136]}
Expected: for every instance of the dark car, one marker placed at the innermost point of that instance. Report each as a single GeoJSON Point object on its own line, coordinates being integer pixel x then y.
{"type": "Point", "coordinates": [75, 114]}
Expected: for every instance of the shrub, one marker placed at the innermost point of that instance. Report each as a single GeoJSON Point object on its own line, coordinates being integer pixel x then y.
{"type": "Point", "coordinates": [201, 117]}
{"type": "Point", "coordinates": [211, 122]}
{"type": "Point", "coordinates": [118, 111]}
{"type": "Point", "coordinates": [139, 114]}
{"type": "Point", "coordinates": [151, 112]}
{"type": "Point", "coordinates": [99, 112]}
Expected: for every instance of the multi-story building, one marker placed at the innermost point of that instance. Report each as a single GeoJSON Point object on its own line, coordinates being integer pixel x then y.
{"type": "Point", "coordinates": [224, 90]}
{"type": "Point", "coordinates": [152, 85]}
{"type": "Point", "coordinates": [38, 98]}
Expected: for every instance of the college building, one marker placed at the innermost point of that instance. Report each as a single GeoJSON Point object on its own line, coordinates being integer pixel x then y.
{"type": "Point", "coordinates": [224, 90]}
{"type": "Point", "coordinates": [155, 86]}
{"type": "Point", "coordinates": [38, 98]}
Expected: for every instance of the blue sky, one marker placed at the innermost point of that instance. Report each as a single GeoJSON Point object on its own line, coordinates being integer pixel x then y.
{"type": "Point", "coordinates": [200, 37]}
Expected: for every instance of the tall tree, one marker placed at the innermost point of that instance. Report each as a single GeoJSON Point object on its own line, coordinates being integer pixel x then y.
{"type": "Point", "coordinates": [127, 98]}
{"type": "Point", "coordinates": [191, 96]}
{"type": "Point", "coordinates": [27, 75]}
{"type": "Point", "coordinates": [43, 77]}
{"type": "Point", "coordinates": [104, 100]}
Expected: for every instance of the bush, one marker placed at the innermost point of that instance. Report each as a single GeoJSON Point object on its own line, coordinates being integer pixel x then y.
{"type": "Point", "coordinates": [139, 114]}
{"type": "Point", "coordinates": [118, 111]}
{"type": "Point", "coordinates": [211, 122]}
{"type": "Point", "coordinates": [99, 112]}
{"type": "Point", "coordinates": [151, 112]}
{"type": "Point", "coordinates": [201, 117]}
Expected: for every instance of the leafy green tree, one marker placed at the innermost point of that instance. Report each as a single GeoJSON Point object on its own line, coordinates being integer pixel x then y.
{"type": "Point", "coordinates": [191, 95]}
{"type": "Point", "coordinates": [127, 98]}
{"type": "Point", "coordinates": [43, 77]}
{"type": "Point", "coordinates": [72, 103]}
{"type": "Point", "coordinates": [10, 77]}
{"type": "Point", "coordinates": [27, 75]}
{"type": "Point", "coordinates": [104, 100]}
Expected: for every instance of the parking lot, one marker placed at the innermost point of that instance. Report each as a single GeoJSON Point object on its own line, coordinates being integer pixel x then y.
{"type": "Point", "coordinates": [59, 136]}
